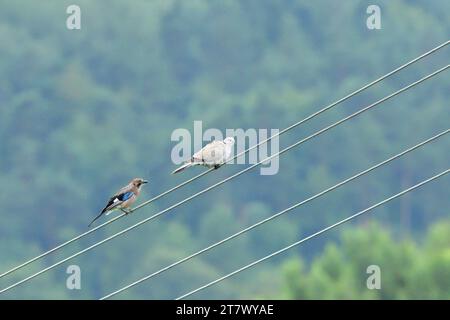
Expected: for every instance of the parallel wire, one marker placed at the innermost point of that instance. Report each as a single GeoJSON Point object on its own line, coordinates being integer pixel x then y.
{"type": "Point", "coordinates": [332, 105]}
{"type": "Point", "coordinates": [314, 234]}
{"type": "Point", "coordinates": [235, 235]}
{"type": "Point", "coordinates": [228, 179]}
{"type": "Point", "coordinates": [62, 245]}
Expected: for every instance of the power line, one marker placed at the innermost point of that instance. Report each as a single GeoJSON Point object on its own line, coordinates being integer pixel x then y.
{"type": "Point", "coordinates": [235, 235]}
{"type": "Point", "coordinates": [229, 178]}
{"type": "Point", "coordinates": [332, 105]}
{"type": "Point", "coordinates": [62, 245]}
{"type": "Point", "coordinates": [315, 234]}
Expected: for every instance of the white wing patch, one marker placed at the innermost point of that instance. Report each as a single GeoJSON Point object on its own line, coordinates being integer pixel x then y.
{"type": "Point", "coordinates": [109, 212]}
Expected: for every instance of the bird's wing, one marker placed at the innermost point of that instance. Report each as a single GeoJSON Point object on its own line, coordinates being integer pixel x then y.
{"type": "Point", "coordinates": [212, 153]}
{"type": "Point", "coordinates": [124, 196]}
{"type": "Point", "coordinates": [121, 196]}
{"type": "Point", "coordinates": [116, 200]}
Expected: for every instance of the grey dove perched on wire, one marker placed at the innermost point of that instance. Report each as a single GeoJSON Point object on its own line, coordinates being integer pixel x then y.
{"type": "Point", "coordinates": [123, 198]}
{"type": "Point", "coordinates": [213, 155]}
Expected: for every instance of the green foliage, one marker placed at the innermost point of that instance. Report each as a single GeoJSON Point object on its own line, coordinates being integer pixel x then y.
{"type": "Point", "coordinates": [408, 270]}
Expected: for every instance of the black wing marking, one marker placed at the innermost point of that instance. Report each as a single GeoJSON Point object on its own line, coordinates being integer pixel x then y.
{"type": "Point", "coordinates": [112, 203]}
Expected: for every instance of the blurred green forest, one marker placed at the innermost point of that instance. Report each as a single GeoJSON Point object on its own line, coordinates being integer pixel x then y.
{"type": "Point", "coordinates": [84, 111]}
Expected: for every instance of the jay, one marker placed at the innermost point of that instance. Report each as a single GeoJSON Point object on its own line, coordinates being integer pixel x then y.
{"type": "Point", "coordinates": [124, 198]}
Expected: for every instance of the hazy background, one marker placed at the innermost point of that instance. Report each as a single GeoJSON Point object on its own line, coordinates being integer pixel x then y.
{"type": "Point", "coordinates": [84, 111]}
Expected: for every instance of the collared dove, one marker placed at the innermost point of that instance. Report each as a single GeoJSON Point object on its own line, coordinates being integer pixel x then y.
{"type": "Point", "coordinates": [212, 155]}
{"type": "Point", "coordinates": [124, 198]}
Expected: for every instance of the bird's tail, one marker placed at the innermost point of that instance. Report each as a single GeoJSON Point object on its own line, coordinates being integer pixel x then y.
{"type": "Point", "coordinates": [101, 213]}
{"type": "Point", "coordinates": [184, 166]}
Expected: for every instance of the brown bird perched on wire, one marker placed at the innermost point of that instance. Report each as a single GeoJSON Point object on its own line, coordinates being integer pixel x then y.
{"type": "Point", "coordinates": [123, 198]}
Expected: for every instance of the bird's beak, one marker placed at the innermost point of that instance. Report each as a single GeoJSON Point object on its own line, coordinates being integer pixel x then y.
{"type": "Point", "coordinates": [144, 182]}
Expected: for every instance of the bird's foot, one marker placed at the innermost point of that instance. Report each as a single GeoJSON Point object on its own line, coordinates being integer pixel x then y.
{"type": "Point", "coordinates": [217, 166]}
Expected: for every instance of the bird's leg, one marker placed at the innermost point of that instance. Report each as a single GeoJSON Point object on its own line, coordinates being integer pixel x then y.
{"type": "Point", "coordinates": [125, 211]}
